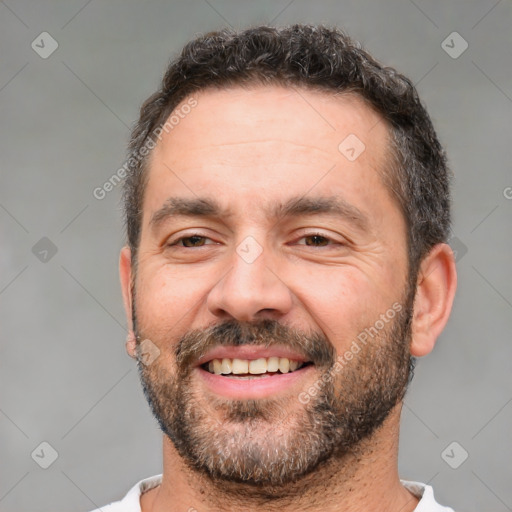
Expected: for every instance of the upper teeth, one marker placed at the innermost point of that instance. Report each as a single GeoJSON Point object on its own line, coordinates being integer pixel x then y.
{"type": "Point", "coordinates": [255, 366]}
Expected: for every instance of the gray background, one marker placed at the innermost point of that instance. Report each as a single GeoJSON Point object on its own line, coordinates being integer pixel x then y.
{"type": "Point", "coordinates": [65, 378]}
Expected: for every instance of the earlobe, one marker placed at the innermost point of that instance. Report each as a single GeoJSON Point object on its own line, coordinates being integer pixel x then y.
{"type": "Point", "coordinates": [435, 291]}
{"type": "Point", "coordinates": [131, 344]}
{"type": "Point", "coordinates": [125, 275]}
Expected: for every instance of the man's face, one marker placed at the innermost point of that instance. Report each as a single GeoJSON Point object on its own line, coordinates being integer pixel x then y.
{"type": "Point", "coordinates": [277, 272]}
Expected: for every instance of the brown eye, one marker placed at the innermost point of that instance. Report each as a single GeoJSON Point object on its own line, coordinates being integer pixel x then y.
{"type": "Point", "coordinates": [317, 240]}
{"type": "Point", "coordinates": [190, 241]}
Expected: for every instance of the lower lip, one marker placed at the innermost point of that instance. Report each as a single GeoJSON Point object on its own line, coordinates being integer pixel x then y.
{"type": "Point", "coordinates": [257, 387]}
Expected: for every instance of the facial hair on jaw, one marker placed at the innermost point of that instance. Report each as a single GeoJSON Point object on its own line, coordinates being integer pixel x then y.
{"type": "Point", "coordinates": [275, 441]}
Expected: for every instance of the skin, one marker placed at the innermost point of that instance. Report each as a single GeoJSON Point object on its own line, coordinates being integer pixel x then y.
{"type": "Point", "coordinates": [251, 149]}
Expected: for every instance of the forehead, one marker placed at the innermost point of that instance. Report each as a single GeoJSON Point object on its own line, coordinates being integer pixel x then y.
{"type": "Point", "coordinates": [239, 115]}
{"type": "Point", "coordinates": [268, 140]}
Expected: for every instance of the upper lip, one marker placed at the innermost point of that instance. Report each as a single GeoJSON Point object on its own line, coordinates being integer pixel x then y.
{"type": "Point", "coordinates": [251, 352]}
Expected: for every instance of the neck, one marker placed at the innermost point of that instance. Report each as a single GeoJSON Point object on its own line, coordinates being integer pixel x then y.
{"type": "Point", "coordinates": [366, 479]}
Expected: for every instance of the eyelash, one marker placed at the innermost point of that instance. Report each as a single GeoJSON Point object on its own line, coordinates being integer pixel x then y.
{"type": "Point", "coordinates": [199, 235]}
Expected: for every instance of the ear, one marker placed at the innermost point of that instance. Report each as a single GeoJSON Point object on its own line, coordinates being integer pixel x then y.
{"type": "Point", "coordinates": [125, 275]}
{"type": "Point", "coordinates": [435, 290]}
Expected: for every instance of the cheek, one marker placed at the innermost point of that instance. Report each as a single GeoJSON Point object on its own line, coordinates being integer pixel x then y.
{"type": "Point", "coordinates": [342, 301]}
{"type": "Point", "coordinates": [167, 298]}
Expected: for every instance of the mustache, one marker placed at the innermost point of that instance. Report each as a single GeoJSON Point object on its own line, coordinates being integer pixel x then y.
{"type": "Point", "coordinates": [314, 346]}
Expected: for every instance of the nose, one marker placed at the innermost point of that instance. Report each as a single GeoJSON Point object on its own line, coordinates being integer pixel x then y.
{"type": "Point", "coordinates": [250, 289]}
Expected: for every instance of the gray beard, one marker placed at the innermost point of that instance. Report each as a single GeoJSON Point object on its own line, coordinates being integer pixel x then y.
{"type": "Point", "coordinates": [271, 442]}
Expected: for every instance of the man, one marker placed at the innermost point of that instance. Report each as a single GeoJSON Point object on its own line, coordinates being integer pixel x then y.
{"type": "Point", "coordinates": [287, 211]}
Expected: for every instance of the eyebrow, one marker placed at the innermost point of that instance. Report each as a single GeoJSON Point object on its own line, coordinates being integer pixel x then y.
{"type": "Point", "coordinates": [208, 207]}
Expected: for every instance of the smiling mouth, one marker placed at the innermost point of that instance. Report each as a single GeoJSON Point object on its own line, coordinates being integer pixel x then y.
{"type": "Point", "coordinates": [255, 368]}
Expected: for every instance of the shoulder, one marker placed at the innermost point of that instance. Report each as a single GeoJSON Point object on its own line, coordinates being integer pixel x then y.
{"type": "Point", "coordinates": [426, 494]}
{"type": "Point", "coordinates": [131, 501]}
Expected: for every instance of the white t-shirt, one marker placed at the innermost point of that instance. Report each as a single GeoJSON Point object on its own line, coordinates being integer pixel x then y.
{"type": "Point", "coordinates": [131, 502]}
